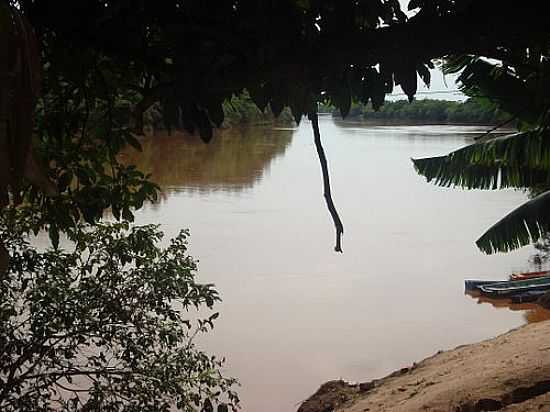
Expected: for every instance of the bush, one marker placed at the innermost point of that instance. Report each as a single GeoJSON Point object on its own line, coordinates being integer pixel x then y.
{"type": "Point", "coordinates": [101, 326]}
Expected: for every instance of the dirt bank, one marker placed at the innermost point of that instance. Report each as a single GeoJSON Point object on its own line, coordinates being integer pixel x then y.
{"type": "Point", "coordinates": [508, 373]}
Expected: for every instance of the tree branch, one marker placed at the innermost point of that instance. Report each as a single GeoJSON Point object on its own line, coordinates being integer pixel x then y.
{"type": "Point", "coordinates": [492, 129]}
{"type": "Point", "coordinates": [326, 181]}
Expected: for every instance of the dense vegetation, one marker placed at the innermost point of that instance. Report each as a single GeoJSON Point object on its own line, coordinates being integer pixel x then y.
{"type": "Point", "coordinates": [107, 317]}
{"type": "Point", "coordinates": [430, 111]}
{"type": "Point", "coordinates": [191, 57]}
{"type": "Point", "coordinates": [69, 65]}
{"type": "Point", "coordinates": [520, 160]}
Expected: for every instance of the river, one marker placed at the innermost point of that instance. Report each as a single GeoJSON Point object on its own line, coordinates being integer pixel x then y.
{"type": "Point", "coordinates": [294, 312]}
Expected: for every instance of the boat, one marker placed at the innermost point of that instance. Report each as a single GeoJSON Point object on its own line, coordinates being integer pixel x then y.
{"type": "Point", "coordinates": [475, 284]}
{"type": "Point", "coordinates": [529, 275]}
{"type": "Point", "coordinates": [513, 287]}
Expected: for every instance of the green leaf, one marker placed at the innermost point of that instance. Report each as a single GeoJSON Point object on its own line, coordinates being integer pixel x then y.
{"type": "Point", "coordinates": [127, 214]}
{"type": "Point", "coordinates": [340, 93]}
{"type": "Point", "coordinates": [298, 101]}
{"type": "Point", "coordinates": [405, 76]}
{"type": "Point", "coordinates": [378, 91]}
{"type": "Point", "coordinates": [424, 73]}
{"type": "Point", "coordinates": [122, 282]}
{"type": "Point", "coordinates": [341, 99]}
{"type": "Point", "coordinates": [518, 160]}
{"type": "Point", "coordinates": [524, 98]}
{"type": "Point", "coordinates": [344, 103]}
{"type": "Point", "coordinates": [116, 212]}
{"type": "Point", "coordinates": [522, 226]}
{"type": "Point", "coordinates": [203, 123]}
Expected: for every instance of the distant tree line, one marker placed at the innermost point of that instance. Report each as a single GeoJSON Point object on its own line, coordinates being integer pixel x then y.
{"type": "Point", "coordinates": [473, 110]}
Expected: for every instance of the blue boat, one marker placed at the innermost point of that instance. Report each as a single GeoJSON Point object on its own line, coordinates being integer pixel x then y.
{"type": "Point", "coordinates": [475, 284]}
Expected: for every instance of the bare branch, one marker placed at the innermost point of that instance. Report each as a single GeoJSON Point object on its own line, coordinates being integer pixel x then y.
{"type": "Point", "coordinates": [326, 182]}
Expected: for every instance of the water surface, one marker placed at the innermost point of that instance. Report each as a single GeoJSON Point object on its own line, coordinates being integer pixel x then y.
{"type": "Point", "coordinates": [296, 314]}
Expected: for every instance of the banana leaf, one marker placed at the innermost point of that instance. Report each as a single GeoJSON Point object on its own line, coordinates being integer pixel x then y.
{"type": "Point", "coordinates": [519, 160]}
{"type": "Point", "coordinates": [522, 226]}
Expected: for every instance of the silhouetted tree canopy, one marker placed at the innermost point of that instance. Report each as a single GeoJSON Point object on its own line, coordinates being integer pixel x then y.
{"type": "Point", "coordinates": [103, 59]}
{"type": "Point", "coordinates": [192, 55]}
{"type": "Point", "coordinates": [76, 78]}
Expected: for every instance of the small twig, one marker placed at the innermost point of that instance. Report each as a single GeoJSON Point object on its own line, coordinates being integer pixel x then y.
{"type": "Point", "coordinates": [498, 126]}
{"type": "Point", "coordinates": [326, 181]}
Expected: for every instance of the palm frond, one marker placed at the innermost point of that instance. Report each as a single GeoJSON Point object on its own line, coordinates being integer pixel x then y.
{"type": "Point", "coordinates": [518, 160]}
{"type": "Point", "coordinates": [520, 227]}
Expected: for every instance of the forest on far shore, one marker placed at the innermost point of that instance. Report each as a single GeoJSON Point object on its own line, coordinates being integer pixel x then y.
{"type": "Point", "coordinates": [240, 111]}
{"type": "Point", "coordinates": [470, 111]}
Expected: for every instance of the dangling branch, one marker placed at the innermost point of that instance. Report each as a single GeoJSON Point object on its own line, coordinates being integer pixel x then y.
{"type": "Point", "coordinates": [326, 181]}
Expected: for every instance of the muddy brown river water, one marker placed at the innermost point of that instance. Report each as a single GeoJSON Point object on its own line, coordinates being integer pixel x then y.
{"type": "Point", "coordinates": [295, 313]}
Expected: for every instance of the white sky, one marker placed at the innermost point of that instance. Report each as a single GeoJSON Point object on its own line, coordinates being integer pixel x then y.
{"type": "Point", "coordinates": [441, 87]}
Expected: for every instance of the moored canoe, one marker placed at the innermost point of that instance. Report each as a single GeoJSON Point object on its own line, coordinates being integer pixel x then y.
{"type": "Point", "coordinates": [474, 284]}
{"type": "Point", "coordinates": [529, 275]}
{"type": "Point", "coordinates": [515, 286]}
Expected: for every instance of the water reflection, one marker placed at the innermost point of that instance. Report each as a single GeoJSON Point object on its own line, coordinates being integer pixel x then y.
{"type": "Point", "coordinates": [531, 311]}
{"type": "Point", "coordinates": [235, 160]}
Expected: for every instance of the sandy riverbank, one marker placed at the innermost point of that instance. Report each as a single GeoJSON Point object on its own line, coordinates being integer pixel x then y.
{"type": "Point", "coordinates": [509, 373]}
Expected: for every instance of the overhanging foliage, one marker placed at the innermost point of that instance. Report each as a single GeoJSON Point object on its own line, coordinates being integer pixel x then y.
{"type": "Point", "coordinates": [109, 324]}
{"type": "Point", "coordinates": [191, 56]}
{"type": "Point", "coordinates": [522, 226]}
{"type": "Point", "coordinates": [517, 83]}
{"type": "Point", "coordinates": [519, 160]}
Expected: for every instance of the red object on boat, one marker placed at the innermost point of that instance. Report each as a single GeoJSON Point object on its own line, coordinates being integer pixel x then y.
{"type": "Point", "coordinates": [529, 275]}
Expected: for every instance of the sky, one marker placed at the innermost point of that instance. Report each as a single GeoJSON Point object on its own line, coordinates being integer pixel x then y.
{"type": "Point", "coordinates": [442, 87]}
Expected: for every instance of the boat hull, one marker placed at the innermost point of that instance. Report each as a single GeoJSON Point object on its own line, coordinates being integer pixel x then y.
{"type": "Point", "coordinates": [475, 284]}
{"type": "Point", "coordinates": [515, 287]}
{"type": "Point", "coordinates": [530, 275]}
